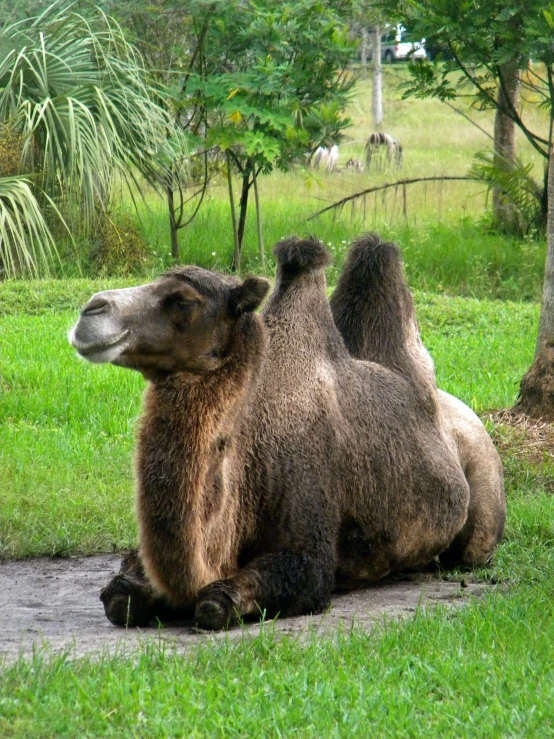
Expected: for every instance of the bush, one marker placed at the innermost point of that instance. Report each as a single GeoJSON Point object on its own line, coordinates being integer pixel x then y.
{"type": "Point", "coordinates": [119, 249]}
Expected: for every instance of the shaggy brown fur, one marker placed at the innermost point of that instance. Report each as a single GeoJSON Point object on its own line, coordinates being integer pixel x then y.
{"type": "Point", "coordinates": [272, 466]}
{"type": "Point", "coordinates": [374, 312]}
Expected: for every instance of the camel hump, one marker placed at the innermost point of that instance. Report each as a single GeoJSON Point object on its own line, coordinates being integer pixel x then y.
{"type": "Point", "coordinates": [374, 311]}
{"type": "Point", "coordinates": [375, 267]}
{"type": "Point", "coordinates": [295, 255]}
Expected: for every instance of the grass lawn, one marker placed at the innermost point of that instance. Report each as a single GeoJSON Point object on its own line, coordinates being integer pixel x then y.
{"type": "Point", "coordinates": [487, 671]}
{"type": "Point", "coordinates": [444, 229]}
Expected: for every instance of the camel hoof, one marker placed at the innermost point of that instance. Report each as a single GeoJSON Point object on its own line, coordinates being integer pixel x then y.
{"type": "Point", "coordinates": [126, 603]}
{"type": "Point", "coordinates": [215, 612]}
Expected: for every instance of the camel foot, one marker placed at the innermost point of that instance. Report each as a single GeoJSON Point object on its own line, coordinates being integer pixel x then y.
{"type": "Point", "coordinates": [215, 609]}
{"type": "Point", "coordinates": [127, 602]}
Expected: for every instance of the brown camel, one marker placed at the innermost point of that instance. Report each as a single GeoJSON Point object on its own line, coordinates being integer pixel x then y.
{"type": "Point", "coordinates": [272, 466]}
{"type": "Point", "coordinates": [374, 312]}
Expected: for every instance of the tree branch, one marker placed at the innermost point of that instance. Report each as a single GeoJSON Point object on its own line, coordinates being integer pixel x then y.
{"type": "Point", "coordinates": [198, 47]}
{"type": "Point", "coordinates": [532, 138]}
{"type": "Point", "coordinates": [386, 186]}
{"type": "Point", "coordinates": [468, 119]}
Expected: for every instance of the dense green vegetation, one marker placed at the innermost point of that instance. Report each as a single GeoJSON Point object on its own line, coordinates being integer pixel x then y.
{"type": "Point", "coordinates": [77, 110]}
{"type": "Point", "coordinates": [445, 231]}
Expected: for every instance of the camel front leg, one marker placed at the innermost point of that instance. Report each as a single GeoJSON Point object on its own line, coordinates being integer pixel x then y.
{"type": "Point", "coordinates": [129, 599]}
{"type": "Point", "coordinates": [282, 583]}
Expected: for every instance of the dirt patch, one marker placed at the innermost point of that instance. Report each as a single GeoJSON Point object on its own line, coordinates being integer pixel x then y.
{"type": "Point", "coordinates": [53, 603]}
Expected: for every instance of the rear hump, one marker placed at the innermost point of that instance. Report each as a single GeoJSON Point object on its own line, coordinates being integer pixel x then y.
{"type": "Point", "coordinates": [374, 312]}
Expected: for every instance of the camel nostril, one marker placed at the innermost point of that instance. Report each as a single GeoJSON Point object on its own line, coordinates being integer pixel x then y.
{"type": "Point", "coordinates": [95, 307]}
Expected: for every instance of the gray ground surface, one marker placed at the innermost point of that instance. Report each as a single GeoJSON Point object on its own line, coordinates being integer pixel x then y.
{"type": "Point", "coordinates": [55, 602]}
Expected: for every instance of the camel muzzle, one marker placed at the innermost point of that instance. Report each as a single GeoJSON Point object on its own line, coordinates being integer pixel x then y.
{"type": "Point", "coordinates": [99, 335]}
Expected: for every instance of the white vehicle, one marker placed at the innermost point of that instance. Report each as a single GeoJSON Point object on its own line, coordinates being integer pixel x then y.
{"type": "Point", "coordinates": [396, 45]}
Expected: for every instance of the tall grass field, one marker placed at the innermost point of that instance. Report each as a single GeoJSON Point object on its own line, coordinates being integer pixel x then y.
{"type": "Point", "coordinates": [66, 475]}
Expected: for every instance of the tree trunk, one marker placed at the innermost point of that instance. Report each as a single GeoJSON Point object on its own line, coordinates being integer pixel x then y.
{"type": "Point", "coordinates": [544, 200]}
{"type": "Point", "coordinates": [504, 213]}
{"type": "Point", "coordinates": [363, 52]}
{"type": "Point", "coordinates": [536, 392]}
{"type": "Point", "coordinates": [258, 219]}
{"type": "Point", "coordinates": [377, 86]}
{"type": "Point", "coordinates": [243, 204]}
{"type": "Point", "coordinates": [235, 265]}
{"type": "Point", "coordinates": [172, 224]}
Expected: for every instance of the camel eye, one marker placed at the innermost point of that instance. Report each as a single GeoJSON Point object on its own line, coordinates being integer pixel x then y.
{"type": "Point", "coordinates": [178, 301]}
{"type": "Point", "coordinates": [180, 310]}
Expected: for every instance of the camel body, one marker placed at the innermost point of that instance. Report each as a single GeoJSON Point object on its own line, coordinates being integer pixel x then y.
{"type": "Point", "coordinates": [289, 469]}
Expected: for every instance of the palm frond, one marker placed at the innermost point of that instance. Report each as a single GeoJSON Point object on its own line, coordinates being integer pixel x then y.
{"type": "Point", "coordinates": [78, 95]}
{"type": "Point", "coordinates": [26, 244]}
{"type": "Point", "coordinates": [516, 183]}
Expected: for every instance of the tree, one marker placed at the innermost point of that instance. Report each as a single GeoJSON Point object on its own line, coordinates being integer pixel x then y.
{"type": "Point", "coordinates": [366, 15]}
{"type": "Point", "coordinates": [170, 36]}
{"type": "Point", "coordinates": [485, 39]}
{"type": "Point", "coordinates": [377, 80]}
{"type": "Point", "coordinates": [270, 83]}
{"type": "Point", "coordinates": [504, 211]}
{"type": "Point", "coordinates": [73, 93]}
{"type": "Point", "coordinates": [364, 44]}
{"type": "Point", "coordinates": [258, 81]}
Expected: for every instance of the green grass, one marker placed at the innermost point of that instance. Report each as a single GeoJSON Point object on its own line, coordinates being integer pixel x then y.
{"type": "Point", "coordinates": [457, 257]}
{"type": "Point", "coordinates": [486, 671]}
{"type": "Point", "coordinates": [460, 258]}
{"type": "Point", "coordinates": [66, 438]}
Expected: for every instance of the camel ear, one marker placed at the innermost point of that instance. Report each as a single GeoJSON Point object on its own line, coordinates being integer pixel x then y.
{"type": "Point", "coordinates": [248, 296]}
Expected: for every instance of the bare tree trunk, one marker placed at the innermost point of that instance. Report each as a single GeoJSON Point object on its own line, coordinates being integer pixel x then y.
{"type": "Point", "coordinates": [377, 86]}
{"type": "Point", "coordinates": [243, 204]}
{"type": "Point", "coordinates": [172, 224]}
{"type": "Point", "coordinates": [258, 219]}
{"type": "Point", "coordinates": [536, 392]}
{"type": "Point", "coordinates": [363, 52]}
{"type": "Point", "coordinates": [236, 256]}
{"type": "Point", "coordinates": [504, 213]}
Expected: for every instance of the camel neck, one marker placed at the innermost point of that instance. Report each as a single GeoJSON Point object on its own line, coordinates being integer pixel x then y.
{"type": "Point", "coordinates": [185, 495]}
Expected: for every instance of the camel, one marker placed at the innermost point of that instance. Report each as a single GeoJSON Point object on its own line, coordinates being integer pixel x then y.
{"type": "Point", "coordinates": [370, 289]}
{"type": "Point", "coordinates": [272, 466]}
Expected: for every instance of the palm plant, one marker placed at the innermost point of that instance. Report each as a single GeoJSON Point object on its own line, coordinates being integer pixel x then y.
{"type": "Point", "coordinates": [76, 94]}
{"type": "Point", "coordinates": [516, 183]}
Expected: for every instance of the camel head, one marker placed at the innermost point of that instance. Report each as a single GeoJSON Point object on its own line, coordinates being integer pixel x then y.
{"type": "Point", "coordinates": [183, 322]}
